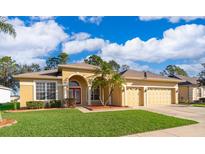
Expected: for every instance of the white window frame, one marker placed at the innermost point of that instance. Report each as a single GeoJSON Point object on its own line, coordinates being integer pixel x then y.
{"type": "Point", "coordinates": [45, 81]}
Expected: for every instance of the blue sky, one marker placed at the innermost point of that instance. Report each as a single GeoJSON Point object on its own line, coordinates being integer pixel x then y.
{"type": "Point", "coordinates": [144, 43]}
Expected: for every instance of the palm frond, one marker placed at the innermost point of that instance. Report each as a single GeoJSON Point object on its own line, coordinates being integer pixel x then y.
{"type": "Point", "coordinates": [7, 28]}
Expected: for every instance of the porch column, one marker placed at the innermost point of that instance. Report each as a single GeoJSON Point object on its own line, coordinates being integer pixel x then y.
{"type": "Point", "coordinates": [65, 91]}
{"type": "Point", "coordinates": [89, 95]}
{"type": "Point", "coordinates": [145, 96]}
{"type": "Point", "coordinates": [68, 88]}
{"type": "Point", "coordinates": [125, 95]}
{"type": "Point", "coordinates": [176, 94]}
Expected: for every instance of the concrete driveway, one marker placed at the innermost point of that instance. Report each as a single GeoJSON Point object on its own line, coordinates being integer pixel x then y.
{"type": "Point", "coordinates": [182, 111]}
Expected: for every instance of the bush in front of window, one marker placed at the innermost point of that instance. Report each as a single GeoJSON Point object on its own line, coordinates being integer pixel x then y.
{"type": "Point", "coordinates": [35, 104]}
{"type": "Point", "coordinates": [55, 104]}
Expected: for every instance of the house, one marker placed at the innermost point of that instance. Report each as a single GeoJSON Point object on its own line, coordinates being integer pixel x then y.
{"type": "Point", "coordinates": [189, 89]}
{"type": "Point", "coordinates": [5, 94]}
{"type": "Point", "coordinates": [75, 80]}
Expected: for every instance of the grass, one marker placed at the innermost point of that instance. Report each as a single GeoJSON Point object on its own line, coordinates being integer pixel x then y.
{"type": "Point", "coordinates": [71, 122]}
{"type": "Point", "coordinates": [198, 105]}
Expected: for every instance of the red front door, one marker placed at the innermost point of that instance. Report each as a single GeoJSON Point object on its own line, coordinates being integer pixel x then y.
{"type": "Point", "coordinates": [75, 93]}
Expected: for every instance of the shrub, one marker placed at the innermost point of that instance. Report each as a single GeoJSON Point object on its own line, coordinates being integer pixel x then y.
{"type": "Point", "coordinates": [13, 105]}
{"type": "Point", "coordinates": [55, 103]}
{"type": "Point", "coordinates": [70, 102]}
{"type": "Point", "coordinates": [202, 100]}
{"type": "Point", "coordinates": [34, 104]}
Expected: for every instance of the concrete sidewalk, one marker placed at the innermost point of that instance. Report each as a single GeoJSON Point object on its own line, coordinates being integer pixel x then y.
{"type": "Point", "coordinates": [182, 111]}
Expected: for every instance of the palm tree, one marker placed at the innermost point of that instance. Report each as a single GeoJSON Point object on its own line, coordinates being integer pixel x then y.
{"type": "Point", "coordinates": [106, 76]}
{"type": "Point", "coordinates": [6, 27]}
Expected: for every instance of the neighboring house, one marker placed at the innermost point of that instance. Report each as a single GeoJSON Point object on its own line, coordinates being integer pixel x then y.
{"type": "Point", "coordinates": [5, 94]}
{"type": "Point", "coordinates": [189, 89]}
{"type": "Point", "coordinates": [75, 80]}
{"type": "Point", "coordinates": [15, 98]}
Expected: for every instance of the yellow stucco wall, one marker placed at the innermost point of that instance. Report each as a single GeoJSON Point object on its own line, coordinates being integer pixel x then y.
{"type": "Point", "coordinates": [117, 96]}
{"type": "Point", "coordinates": [68, 72]}
{"type": "Point", "coordinates": [26, 92]}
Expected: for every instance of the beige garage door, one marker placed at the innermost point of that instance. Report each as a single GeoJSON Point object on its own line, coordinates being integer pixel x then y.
{"type": "Point", "coordinates": [159, 96]}
{"type": "Point", "coordinates": [134, 96]}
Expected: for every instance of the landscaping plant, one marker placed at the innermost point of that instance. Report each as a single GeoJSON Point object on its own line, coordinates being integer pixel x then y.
{"type": "Point", "coordinates": [106, 76]}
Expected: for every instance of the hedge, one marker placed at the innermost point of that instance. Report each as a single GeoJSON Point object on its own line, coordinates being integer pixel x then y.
{"type": "Point", "coordinates": [41, 104]}
{"type": "Point", "coordinates": [35, 104]}
{"type": "Point", "coordinates": [55, 103]}
{"type": "Point", "coordinates": [10, 106]}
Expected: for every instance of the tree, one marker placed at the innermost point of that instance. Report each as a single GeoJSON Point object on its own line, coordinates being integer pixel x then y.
{"type": "Point", "coordinates": [115, 65]}
{"type": "Point", "coordinates": [63, 58]}
{"type": "Point", "coordinates": [6, 27]}
{"type": "Point", "coordinates": [202, 76]}
{"type": "Point", "coordinates": [28, 68]}
{"type": "Point", "coordinates": [107, 77]}
{"type": "Point", "coordinates": [53, 62]}
{"type": "Point", "coordinates": [94, 60]}
{"type": "Point", "coordinates": [174, 70]}
{"type": "Point", "coordinates": [7, 70]}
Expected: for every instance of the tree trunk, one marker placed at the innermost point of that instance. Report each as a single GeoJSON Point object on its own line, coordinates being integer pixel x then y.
{"type": "Point", "coordinates": [110, 93]}
{"type": "Point", "coordinates": [101, 100]}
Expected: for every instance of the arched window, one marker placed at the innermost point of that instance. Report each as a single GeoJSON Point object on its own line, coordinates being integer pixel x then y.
{"type": "Point", "coordinates": [74, 84]}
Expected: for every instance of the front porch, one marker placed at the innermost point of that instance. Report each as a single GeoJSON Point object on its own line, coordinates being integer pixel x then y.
{"type": "Point", "coordinates": [80, 87]}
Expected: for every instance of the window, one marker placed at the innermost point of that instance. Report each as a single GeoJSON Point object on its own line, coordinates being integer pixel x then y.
{"type": "Point", "coordinates": [45, 90]}
{"type": "Point", "coordinates": [95, 94]}
{"type": "Point", "coordinates": [51, 90]}
{"type": "Point", "coordinates": [74, 84]}
{"type": "Point", "coordinates": [40, 91]}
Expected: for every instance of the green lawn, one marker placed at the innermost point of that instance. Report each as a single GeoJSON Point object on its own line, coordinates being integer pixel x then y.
{"type": "Point", "coordinates": [71, 122]}
{"type": "Point", "coordinates": [198, 105]}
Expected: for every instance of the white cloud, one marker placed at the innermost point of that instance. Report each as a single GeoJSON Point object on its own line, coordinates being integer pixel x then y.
{"type": "Point", "coordinates": [32, 42]}
{"type": "Point", "coordinates": [16, 22]}
{"type": "Point", "coordinates": [42, 17]}
{"type": "Point", "coordinates": [172, 19]}
{"type": "Point", "coordinates": [192, 69]}
{"type": "Point", "coordinates": [80, 36]}
{"type": "Point", "coordinates": [94, 19]}
{"type": "Point", "coordinates": [77, 46]}
{"type": "Point", "coordinates": [79, 42]}
{"type": "Point", "coordinates": [183, 42]}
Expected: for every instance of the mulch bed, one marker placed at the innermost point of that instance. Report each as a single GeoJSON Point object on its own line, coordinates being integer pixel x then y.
{"type": "Point", "coordinates": [7, 122]}
{"type": "Point", "coordinates": [97, 107]}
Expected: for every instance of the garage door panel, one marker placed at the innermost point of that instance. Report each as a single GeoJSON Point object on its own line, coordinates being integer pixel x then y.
{"type": "Point", "coordinates": [133, 96]}
{"type": "Point", "coordinates": [159, 96]}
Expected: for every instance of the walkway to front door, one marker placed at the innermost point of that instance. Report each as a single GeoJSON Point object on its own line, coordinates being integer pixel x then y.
{"type": "Point", "coordinates": [75, 93]}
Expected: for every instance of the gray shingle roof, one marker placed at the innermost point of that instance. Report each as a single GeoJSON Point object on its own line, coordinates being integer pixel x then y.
{"type": "Point", "coordinates": [185, 79]}
{"type": "Point", "coordinates": [79, 66]}
{"type": "Point", "coordinates": [133, 74]}
{"type": "Point", "coordinates": [49, 74]}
